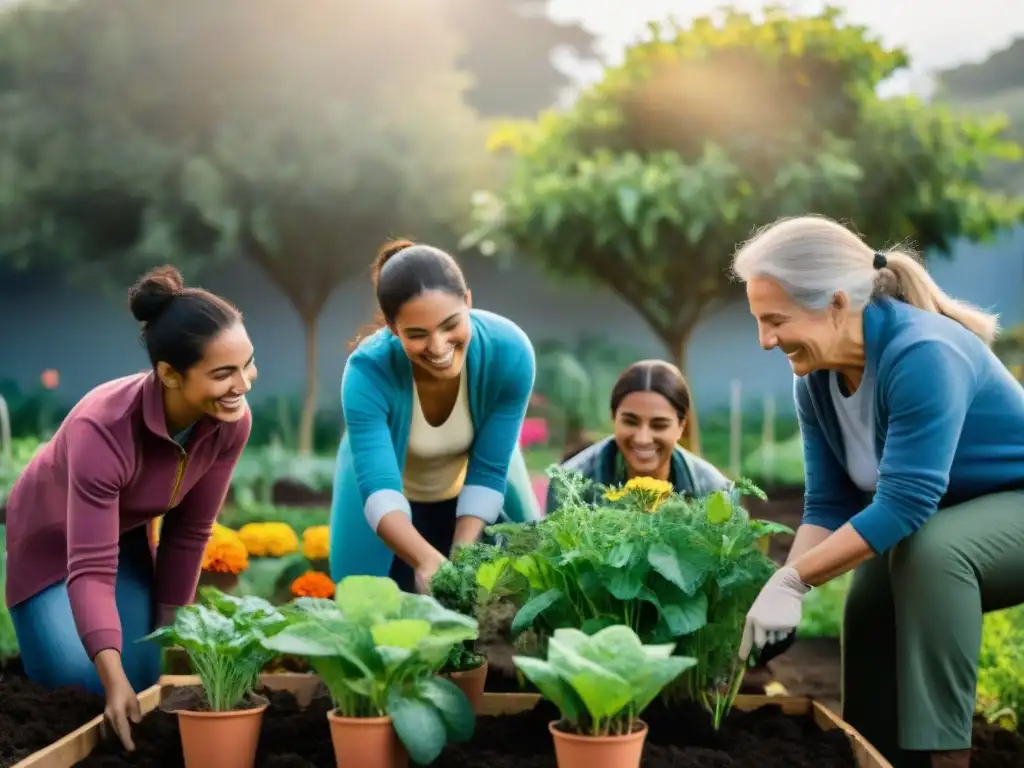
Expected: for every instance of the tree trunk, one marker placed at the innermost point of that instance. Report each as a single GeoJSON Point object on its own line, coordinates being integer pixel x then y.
{"type": "Point", "coordinates": [691, 433]}
{"type": "Point", "coordinates": [310, 322]}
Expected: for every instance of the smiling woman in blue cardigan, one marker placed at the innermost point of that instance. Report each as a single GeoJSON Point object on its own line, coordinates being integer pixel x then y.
{"type": "Point", "coordinates": [434, 402]}
{"type": "Point", "coordinates": [913, 438]}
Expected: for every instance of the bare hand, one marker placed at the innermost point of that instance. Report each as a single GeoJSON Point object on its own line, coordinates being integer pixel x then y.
{"type": "Point", "coordinates": [122, 710]}
{"type": "Point", "coordinates": [426, 572]}
{"type": "Point", "coordinates": [122, 704]}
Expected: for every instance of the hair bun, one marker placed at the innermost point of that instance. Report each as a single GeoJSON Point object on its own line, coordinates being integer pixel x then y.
{"type": "Point", "coordinates": [149, 297]}
{"type": "Point", "coordinates": [387, 251]}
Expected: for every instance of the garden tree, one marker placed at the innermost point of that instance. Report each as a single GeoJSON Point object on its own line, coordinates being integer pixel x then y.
{"type": "Point", "coordinates": [300, 139]}
{"type": "Point", "coordinates": [993, 85]}
{"type": "Point", "coordinates": [706, 132]}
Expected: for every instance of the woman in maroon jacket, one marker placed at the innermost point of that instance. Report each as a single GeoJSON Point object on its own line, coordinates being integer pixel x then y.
{"type": "Point", "coordinates": [82, 581]}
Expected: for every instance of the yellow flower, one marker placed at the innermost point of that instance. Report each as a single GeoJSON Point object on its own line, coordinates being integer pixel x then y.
{"type": "Point", "coordinates": [313, 584]}
{"type": "Point", "coordinates": [268, 539]}
{"type": "Point", "coordinates": [316, 542]}
{"type": "Point", "coordinates": [649, 492]}
{"type": "Point", "coordinates": [225, 552]}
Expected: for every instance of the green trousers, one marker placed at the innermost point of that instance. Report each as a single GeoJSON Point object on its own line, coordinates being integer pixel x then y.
{"type": "Point", "coordinates": [912, 626]}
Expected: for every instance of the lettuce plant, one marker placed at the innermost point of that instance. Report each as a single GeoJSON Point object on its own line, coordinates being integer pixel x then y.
{"type": "Point", "coordinates": [684, 571]}
{"type": "Point", "coordinates": [602, 683]}
{"type": "Point", "coordinates": [377, 650]}
{"type": "Point", "coordinates": [224, 643]}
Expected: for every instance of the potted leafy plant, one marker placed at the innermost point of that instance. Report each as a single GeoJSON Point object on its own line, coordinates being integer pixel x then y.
{"type": "Point", "coordinates": [377, 649]}
{"type": "Point", "coordinates": [601, 685]}
{"type": "Point", "coordinates": [220, 719]}
{"type": "Point", "coordinates": [674, 569]}
{"type": "Point", "coordinates": [455, 587]}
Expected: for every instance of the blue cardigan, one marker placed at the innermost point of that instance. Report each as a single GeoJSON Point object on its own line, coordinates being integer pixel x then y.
{"type": "Point", "coordinates": [949, 427]}
{"type": "Point", "coordinates": [376, 398]}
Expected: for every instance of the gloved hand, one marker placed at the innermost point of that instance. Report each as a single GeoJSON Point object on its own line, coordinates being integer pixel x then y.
{"type": "Point", "coordinates": [776, 611]}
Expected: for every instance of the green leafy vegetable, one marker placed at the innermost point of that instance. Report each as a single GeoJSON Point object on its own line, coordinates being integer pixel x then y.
{"type": "Point", "coordinates": [601, 683]}
{"type": "Point", "coordinates": [377, 649]}
{"type": "Point", "coordinates": [455, 587]}
{"type": "Point", "coordinates": [673, 569]}
{"type": "Point", "coordinates": [224, 643]}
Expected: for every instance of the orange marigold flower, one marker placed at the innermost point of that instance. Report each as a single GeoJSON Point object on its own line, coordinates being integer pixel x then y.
{"type": "Point", "coordinates": [313, 584]}
{"type": "Point", "coordinates": [225, 552]}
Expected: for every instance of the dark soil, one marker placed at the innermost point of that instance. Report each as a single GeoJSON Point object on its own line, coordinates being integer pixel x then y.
{"type": "Point", "coordinates": [811, 667]}
{"type": "Point", "coordinates": [192, 698]}
{"type": "Point", "coordinates": [33, 717]}
{"type": "Point", "coordinates": [679, 738]}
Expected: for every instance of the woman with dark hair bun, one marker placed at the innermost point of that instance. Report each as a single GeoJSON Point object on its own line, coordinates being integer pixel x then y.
{"type": "Point", "coordinates": [83, 583]}
{"type": "Point", "coordinates": [434, 401]}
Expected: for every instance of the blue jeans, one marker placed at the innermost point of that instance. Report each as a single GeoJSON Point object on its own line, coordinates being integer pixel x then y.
{"type": "Point", "coordinates": [51, 651]}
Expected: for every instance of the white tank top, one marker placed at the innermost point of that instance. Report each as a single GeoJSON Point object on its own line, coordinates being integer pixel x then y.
{"type": "Point", "coordinates": [856, 415]}
{"type": "Point", "coordinates": [437, 457]}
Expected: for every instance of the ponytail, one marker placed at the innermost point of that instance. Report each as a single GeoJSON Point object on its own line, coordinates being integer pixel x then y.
{"type": "Point", "coordinates": [908, 280]}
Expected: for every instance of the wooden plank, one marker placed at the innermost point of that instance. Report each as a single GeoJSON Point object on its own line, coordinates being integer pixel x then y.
{"type": "Point", "coordinates": [77, 745]}
{"type": "Point", "coordinates": [867, 756]}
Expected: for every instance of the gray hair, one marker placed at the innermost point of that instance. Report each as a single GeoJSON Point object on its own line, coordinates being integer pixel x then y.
{"type": "Point", "coordinates": [813, 258]}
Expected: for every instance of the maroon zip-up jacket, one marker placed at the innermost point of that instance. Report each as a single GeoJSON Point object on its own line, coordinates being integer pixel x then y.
{"type": "Point", "coordinates": [112, 467]}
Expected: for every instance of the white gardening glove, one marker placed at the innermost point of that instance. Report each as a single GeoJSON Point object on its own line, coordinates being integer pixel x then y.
{"type": "Point", "coordinates": [776, 611]}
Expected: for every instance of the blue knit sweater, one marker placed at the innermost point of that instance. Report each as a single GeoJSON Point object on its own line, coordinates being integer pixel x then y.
{"type": "Point", "coordinates": [949, 427]}
{"type": "Point", "coordinates": [376, 396]}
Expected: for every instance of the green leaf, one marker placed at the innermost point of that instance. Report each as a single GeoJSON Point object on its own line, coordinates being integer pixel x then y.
{"type": "Point", "coordinates": [401, 633]}
{"type": "Point", "coordinates": [419, 726]}
{"type": "Point", "coordinates": [686, 574]}
{"type": "Point", "coordinates": [367, 598]}
{"type": "Point", "coordinates": [719, 507]}
{"type": "Point", "coordinates": [687, 615]}
{"type": "Point", "coordinates": [551, 686]}
{"type": "Point", "coordinates": [453, 706]}
{"type": "Point", "coordinates": [526, 615]}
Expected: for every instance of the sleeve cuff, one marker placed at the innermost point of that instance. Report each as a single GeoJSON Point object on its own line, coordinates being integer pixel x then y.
{"type": "Point", "coordinates": [480, 501]}
{"type": "Point", "coordinates": [880, 528]}
{"type": "Point", "coordinates": [100, 640]}
{"type": "Point", "coordinates": [382, 502]}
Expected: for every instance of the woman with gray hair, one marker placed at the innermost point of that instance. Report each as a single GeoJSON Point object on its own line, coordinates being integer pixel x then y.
{"type": "Point", "coordinates": [913, 437]}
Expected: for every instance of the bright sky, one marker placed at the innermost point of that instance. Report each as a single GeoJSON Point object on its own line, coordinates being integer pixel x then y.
{"type": "Point", "coordinates": [938, 33]}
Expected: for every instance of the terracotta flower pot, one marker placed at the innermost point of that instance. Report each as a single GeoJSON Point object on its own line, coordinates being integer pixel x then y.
{"type": "Point", "coordinates": [221, 739]}
{"type": "Point", "coordinates": [366, 742]}
{"type": "Point", "coordinates": [574, 751]}
{"type": "Point", "coordinates": [471, 682]}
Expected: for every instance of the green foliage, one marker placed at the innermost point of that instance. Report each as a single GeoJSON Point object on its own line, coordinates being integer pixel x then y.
{"type": "Point", "coordinates": [646, 185]}
{"type": "Point", "coordinates": [823, 608]}
{"type": "Point", "coordinates": [287, 138]}
{"type": "Point", "coordinates": [684, 573]}
{"type": "Point", "coordinates": [8, 640]}
{"type": "Point", "coordinates": [224, 642]}
{"type": "Point", "coordinates": [777, 463]}
{"type": "Point", "coordinates": [602, 683]}
{"type": "Point", "coordinates": [377, 650]}
{"type": "Point", "coordinates": [1001, 667]}
{"type": "Point", "coordinates": [454, 586]}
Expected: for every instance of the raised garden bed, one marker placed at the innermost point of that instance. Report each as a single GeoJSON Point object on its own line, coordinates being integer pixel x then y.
{"type": "Point", "coordinates": [33, 717]}
{"type": "Point", "coordinates": [770, 732]}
